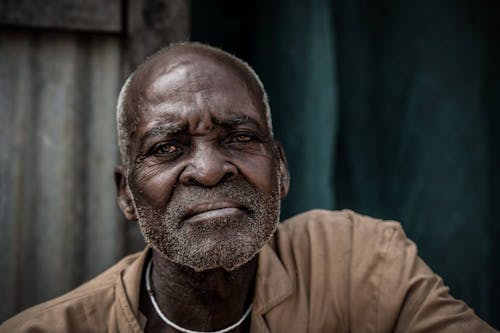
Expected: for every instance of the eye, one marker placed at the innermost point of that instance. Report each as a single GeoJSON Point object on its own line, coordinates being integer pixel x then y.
{"type": "Point", "coordinates": [241, 138]}
{"type": "Point", "coordinates": [166, 149]}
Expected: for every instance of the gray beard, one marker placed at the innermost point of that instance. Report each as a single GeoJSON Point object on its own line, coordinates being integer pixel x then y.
{"type": "Point", "coordinates": [227, 242]}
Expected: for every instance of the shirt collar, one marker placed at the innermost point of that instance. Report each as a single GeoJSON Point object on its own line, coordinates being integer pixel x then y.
{"type": "Point", "coordinates": [127, 291]}
{"type": "Point", "coordinates": [273, 283]}
{"type": "Point", "coordinates": [131, 278]}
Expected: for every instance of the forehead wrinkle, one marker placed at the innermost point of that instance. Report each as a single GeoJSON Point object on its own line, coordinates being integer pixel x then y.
{"type": "Point", "coordinates": [234, 121]}
{"type": "Point", "coordinates": [199, 102]}
{"type": "Point", "coordinates": [181, 95]}
{"type": "Point", "coordinates": [182, 78]}
{"type": "Point", "coordinates": [160, 128]}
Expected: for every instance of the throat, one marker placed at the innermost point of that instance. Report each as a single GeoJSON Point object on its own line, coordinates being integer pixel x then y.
{"type": "Point", "coordinates": [199, 301]}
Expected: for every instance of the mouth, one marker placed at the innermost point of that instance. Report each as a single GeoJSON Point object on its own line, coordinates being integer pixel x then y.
{"type": "Point", "coordinates": [217, 209]}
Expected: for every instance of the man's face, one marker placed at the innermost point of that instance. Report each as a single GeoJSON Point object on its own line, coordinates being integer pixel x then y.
{"type": "Point", "coordinates": [204, 170]}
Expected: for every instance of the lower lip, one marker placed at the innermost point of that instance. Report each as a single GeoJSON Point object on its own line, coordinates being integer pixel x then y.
{"type": "Point", "coordinates": [216, 213]}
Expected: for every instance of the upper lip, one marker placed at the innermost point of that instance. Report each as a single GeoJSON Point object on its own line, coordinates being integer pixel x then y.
{"type": "Point", "coordinates": [210, 205]}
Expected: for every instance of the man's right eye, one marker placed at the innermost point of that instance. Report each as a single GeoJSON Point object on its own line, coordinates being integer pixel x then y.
{"type": "Point", "coordinates": [166, 149]}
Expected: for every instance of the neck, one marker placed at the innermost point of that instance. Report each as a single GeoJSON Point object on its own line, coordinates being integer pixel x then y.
{"type": "Point", "coordinates": [203, 301]}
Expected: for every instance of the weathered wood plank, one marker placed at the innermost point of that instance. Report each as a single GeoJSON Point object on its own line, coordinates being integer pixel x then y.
{"type": "Point", "coordinates": [105, 230]}
{"type": "Point", "coordinates": [89, 15]}
{"type": "Point", "coordinates": [58, 222]}
{"type": "Point", "coordinates": [59, 217]}
{"type": "Point", "coordinates": [152, 24]}
{"type": "Point", "coordinates": [14, 151]}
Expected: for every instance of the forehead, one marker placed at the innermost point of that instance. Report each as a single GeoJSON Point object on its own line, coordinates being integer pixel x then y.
{"type": "Point", "coordinates": [189, 78]}
{"type": "Point", "coordinates": [177, 86]}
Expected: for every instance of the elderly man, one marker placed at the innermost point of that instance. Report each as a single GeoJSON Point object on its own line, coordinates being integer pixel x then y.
{"type": "Point", "coordinates": [203, 176]}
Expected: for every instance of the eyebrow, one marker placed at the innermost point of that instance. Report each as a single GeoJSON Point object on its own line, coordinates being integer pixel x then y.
{"type": "Point", "coordinates": [170, 129]}
{"type": "Point", "coordinates": [234, 122]}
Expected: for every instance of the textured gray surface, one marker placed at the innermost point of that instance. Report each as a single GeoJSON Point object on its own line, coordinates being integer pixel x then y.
{"type": "Point", "coordinates": [59, 220]}
{"type": "Point", "coordinates": [88, 15]}
{"type": "Point", "coordinates": [152, 24]}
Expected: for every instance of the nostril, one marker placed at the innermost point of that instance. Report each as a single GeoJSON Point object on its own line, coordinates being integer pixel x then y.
{"type": "Point", "coordinates": [191, 181]}
{"type": "Point", "coordinates": [227, 176]}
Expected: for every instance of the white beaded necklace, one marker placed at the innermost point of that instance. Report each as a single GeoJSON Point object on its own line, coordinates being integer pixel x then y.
{"type": "Point", "coordinates": [174, 325]}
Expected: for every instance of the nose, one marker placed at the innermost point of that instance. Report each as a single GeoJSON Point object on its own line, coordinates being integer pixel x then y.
{"type": "Point", "coordinates": [207, 167]}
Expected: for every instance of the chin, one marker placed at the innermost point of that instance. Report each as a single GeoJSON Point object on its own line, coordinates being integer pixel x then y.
{"type": "Point", "coordinates": [229, 247]}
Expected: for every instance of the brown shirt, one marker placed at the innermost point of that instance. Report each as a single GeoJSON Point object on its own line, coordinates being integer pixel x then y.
{"type": "Point", "coordinates": [321, 272]}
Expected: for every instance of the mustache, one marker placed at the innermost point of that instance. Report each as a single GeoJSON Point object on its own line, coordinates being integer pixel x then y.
{"type": "Point", "coordinates": [239, 192]}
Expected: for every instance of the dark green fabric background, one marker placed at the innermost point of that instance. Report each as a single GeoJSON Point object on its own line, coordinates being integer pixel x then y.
{"type": "Point", "coordinates": [390, 108]}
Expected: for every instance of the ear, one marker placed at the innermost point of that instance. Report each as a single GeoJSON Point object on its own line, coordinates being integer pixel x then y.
{"type": "Point", "coordinates": [123, 194]}
{"type": "Point", "coordinates": [283, 170]}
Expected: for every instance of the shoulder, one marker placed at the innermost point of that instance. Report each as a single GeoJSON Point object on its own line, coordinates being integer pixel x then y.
{"type": "Point", "coordinates": [344, 244]}
{"type": "Point", "coordinates": [78, 310]}
{"type": "Point", "coordinates": [352, 245]}
{"type": "Point", "coordinates": [338, 229]}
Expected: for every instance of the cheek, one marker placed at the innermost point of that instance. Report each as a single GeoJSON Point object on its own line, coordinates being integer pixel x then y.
{"type": "Point", "coordinates": [154, 187]}
{"type": "Point", "coordinates": [259, 171]}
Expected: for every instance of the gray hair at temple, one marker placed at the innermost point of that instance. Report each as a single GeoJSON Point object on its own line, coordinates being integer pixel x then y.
{"type": "Point", "coordinates": [127, 123]}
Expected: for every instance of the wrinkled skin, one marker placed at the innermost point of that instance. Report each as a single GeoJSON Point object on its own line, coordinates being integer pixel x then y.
{"type": "Point", "coordinates": [205, 182]}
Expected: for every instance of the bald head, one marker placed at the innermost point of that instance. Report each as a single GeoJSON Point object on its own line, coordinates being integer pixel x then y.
{"type": "Point", "coordinates": [153, 81]}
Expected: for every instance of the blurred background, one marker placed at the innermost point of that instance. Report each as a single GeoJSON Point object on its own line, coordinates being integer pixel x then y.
{"type": "Point", "coordinates": [390, 108]}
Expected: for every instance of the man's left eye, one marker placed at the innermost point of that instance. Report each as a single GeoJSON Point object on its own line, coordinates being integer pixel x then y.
{"type": "Point", "coordinates": [241, 138]}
